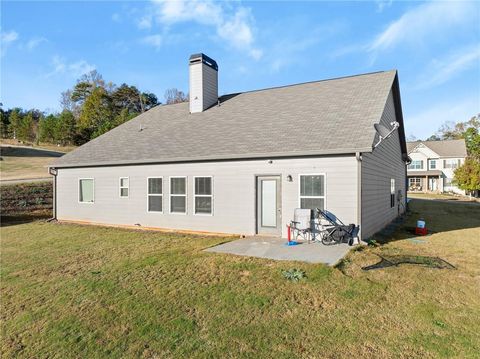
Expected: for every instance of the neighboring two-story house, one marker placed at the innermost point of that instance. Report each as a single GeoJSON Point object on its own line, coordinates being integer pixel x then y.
{"type": "Point", "coordinates": [433, 164]}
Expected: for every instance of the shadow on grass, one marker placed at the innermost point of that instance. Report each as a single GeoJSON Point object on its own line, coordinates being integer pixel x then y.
{"type": "Point", "coordinates": [439, 216]}
{"type": "Point", "coordinates": [7, 151]}
{"type": "Point", "coordinates": [7, 220]}
{"type": "Point", "coordinates": [395, 260]}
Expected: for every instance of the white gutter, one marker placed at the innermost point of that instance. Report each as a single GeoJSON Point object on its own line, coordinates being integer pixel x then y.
{"type": "Point", "coordinates": [358, 157]}
{"type": "Point", "coordinates": [54, 172]}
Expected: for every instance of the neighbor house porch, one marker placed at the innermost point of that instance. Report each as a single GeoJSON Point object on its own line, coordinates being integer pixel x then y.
{"type": "Point", "coordinates": [425, 181]}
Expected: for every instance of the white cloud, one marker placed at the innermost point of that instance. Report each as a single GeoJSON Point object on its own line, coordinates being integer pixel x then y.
{"type": "Point", "coordinates": [59, 65]}
{"type": "Point", "coordinates": [441, 71]}
{"type": "Point", "coordinates": [427, 122]}
{"type": "Point", "coordinates": [153, 40]}
{"type": "Point", "coordinates": [116, 17]}
{"type": "Point", "coordinates": [34, 42]}
{"type": "Point", "coordinates": [145, 22]}
{"type": "Point", "coordinates": [234, 24]}
{"type": "Point", "coordinates": [80, 67]}
{"type": "Point", "coordinates": [382, 4]}
{"type": "Point", "coordinates": [7, 38]}
{"type": "Point", "coordinates": [74, 69]}
{"type": "Point", "coordinates": [422, 21]}
{"type": "Point", "coordinates": [290, 49]}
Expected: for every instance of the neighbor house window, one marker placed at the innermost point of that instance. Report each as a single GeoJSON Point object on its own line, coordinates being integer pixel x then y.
{"type": "Point", "coordinates": [155, 194]}
{"type": "Point", "coordinates": [86, 192]}
{"type": "Point", "coordinates": [451, 163]}
{"type": "Point", "coordinates": [414, 181]}
{"type": "Point", "coordinates": [203, 201]}
{"type": "Point", "coordinates": [416, 165]}
{"type": "Point", "coordinates": [392, 192]}
{"type": "Point", "coordinates": [312, 191]}
{"type": "Point", "coordinates": [124, 186]}
{"type": "Point", "coordinates": [178, 195]}
{"type": "Point", "coordinates": [433, 164]}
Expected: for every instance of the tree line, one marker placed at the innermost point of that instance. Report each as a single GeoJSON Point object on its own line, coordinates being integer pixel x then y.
{"type": "Point", "coordinates": [467, 176]}
{"type": "Point", "coordinates": [89, 109]}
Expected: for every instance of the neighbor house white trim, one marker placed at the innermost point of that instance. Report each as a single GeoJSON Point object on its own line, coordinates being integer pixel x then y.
{"type": "Point", "coordinates": [202, 195]}
{"type": "Point", "coordinates": [93, 196]}
{"type": "Point", "coordinates": [156, 194]}
{"type": "Point", "coordinates": [177, 195]}
{"type": "Point", "coordinates": [324, 189]}
{"type": "Point", "coordinates": [120, 187]}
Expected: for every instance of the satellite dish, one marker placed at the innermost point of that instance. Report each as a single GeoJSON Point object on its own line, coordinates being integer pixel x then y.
{"type": "Point", "coordinates": [384, 132]}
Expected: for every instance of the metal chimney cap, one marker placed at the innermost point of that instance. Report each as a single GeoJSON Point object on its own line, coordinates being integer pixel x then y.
{"type": "Point", "coordinates": [196, 58]}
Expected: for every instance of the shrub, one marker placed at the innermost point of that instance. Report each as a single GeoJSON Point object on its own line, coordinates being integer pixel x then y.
{"type": "Point", "coordinates": [26, 197]}
{"type": "Point", "coordinates": [294, 274]}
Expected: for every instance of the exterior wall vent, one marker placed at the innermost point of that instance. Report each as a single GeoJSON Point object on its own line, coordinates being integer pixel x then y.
{"type": "Point", "coordinates": [203, 82]}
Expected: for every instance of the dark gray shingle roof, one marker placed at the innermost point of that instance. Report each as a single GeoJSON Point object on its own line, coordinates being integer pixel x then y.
{"type": "Point", "coordinates": [447, 148]}
{"type": "Point", "coordinates": [324, 117]}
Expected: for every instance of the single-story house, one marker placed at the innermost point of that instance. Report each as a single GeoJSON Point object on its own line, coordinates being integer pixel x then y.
{"type": "Point", "coordinates": [433, 165]}
{"type": "Point", "coordinates": [241, 163]}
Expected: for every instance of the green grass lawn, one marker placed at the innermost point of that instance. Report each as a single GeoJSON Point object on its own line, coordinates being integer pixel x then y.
{"type": "Point", "coordinates": [71, 291]}
{"type": "Point", "coordinates": [27, 162]}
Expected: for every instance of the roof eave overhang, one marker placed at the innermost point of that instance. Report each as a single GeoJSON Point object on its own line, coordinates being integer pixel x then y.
{"type": "Point", "coordinates": [338, 152]}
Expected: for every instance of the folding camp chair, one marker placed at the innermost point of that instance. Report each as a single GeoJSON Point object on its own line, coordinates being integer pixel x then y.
{"type": "Point", "coordinates": [301, 225]}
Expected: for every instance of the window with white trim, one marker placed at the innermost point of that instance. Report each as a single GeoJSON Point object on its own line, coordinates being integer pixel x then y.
{"type": "Point", "coordinates": [178, 195]}
{"type": "Point", "coordinates": [312, 191]}
{"type": "Point", "coordinates": [86, 190]}
{"type": "Point", "coordinates": [155, 194]}
{"type": "Point", "coordinates": [392, 192]}
{"type": "Point", "coordinates": [203, 195]}
{"type": "Point", "coordinates": [433, 164]}
{"type": "Point", "coordinates": [124, 187]}
{"type": "Point", "coordinates": [416, 165]}
{"type": "Point", "coordinates": [452, 163]}
{"type": "Point", "coordinates": [414, 181]}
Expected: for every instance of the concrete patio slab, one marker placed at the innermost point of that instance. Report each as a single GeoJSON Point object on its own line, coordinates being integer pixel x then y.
{"type": "Point", "coordinates": [276, 248]}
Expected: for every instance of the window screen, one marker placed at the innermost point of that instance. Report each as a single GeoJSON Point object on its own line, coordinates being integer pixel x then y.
{"type": "Point", "coordinates": [178, 195]}
{"type": "Point", "coordinates": [392, 192]}
{"type": "Point", "coordinates": [155, 194]}
{"type": "Point", "coordinates": [312, 191]}
{"type": "Point", "coordinates": [203, 195]}
{"type": "Point", "coordinates": [416, 165]}
{"type": "Point", "coordinates": [124, 186]}
{"type": "Point", "coordinates": [86, 190]}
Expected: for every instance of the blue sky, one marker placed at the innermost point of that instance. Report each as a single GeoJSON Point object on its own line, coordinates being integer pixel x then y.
{"type": "Point", "coordinates": [46, 46]}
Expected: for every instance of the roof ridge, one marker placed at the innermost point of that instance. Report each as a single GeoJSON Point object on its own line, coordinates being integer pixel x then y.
{"type": "Point", "coordinates": [310, 82]}
{"type": "Point", "coordinates": [423, 141]}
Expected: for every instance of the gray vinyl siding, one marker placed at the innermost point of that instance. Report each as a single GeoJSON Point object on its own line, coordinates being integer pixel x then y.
{"type": "Point", "coordinates": [234, 208]}
{"type": "Point", "coordinates": [378, 167]}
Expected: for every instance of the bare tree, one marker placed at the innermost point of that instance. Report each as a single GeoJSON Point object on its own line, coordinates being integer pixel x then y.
{"type": "Point", "coordinates": [174, 95]}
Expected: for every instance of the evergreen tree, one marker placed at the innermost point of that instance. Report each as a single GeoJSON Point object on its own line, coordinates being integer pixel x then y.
{"type": "Point", "coordinates": [15, 120]}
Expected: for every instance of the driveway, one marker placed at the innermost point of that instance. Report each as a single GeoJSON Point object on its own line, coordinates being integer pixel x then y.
{"type": "Point", "coordinates": [276, 248]}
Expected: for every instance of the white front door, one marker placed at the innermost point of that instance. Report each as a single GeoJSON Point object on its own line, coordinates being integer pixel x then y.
{"type": "Point", "coordinates": [269, 205]}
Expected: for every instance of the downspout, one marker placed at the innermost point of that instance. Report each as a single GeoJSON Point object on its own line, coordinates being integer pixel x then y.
{"type": "Point", "coordinates": [358, 157]}
{"type": "Point", "coordinates": [53, 171]}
